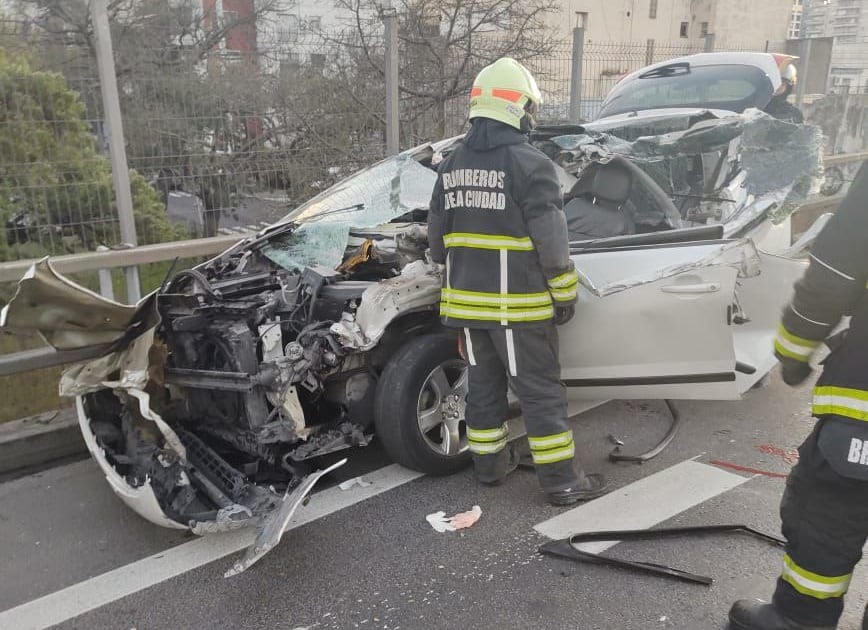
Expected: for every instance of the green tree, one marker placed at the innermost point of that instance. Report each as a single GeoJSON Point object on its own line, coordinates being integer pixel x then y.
{"type": "Point", "coordinates": [56, 191]}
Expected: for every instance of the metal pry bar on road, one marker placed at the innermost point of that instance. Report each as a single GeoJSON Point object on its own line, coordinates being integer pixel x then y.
{"type": "Point", "coordinates": [565, 548]}
{"type": "Point", "coordinates": [617, 456]}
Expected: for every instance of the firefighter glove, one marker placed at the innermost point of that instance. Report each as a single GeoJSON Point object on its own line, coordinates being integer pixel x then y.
{"type": "Point", "coordinates": [795, 372]}
{"type": "Point", "coordinates": [563, 314]}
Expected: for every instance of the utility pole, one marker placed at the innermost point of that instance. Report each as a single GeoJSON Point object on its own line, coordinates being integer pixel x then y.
{"type": "Point", "coordinates": [805, 63]}
{"type": "Point", "coordinates": [393, 129]}
{"type": "Point", "coordinates": [117, 150]}
{"type": "Point", "coordinates": [576, 69]}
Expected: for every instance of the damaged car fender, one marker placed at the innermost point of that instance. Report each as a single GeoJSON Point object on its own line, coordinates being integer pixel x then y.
{"type": "Point", "coordinates": [417, 288]}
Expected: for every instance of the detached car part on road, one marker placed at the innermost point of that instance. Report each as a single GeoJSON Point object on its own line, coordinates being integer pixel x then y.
{"type": "Point", "coordinates": [222, 390]}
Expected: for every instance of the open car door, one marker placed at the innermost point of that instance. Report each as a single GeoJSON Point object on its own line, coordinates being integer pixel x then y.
{"type": "Point", "coordinates": [657, 320]}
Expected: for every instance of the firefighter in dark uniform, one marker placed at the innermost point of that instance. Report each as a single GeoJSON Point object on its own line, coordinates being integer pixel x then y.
{"type": "Point", "coordinates": [497, 223]}
{"type": "Point", "coordinates": [825, 504]}
{"type": "Point", "coordinates": [779, 106]}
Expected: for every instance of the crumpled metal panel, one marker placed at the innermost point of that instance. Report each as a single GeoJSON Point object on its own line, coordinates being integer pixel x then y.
{"type": "Point", "coordinates": [66, 314]}
{"type": "Point", "coordinates": [418, 286]}
{"type": "Point", "coordinates": [781, 161]}
{"type": "Point", "coordinates": [741, 254]}
{"type": "Point", "coordinates": [141, 499]}
{"type": "Point", "coordinates": [271, 530]}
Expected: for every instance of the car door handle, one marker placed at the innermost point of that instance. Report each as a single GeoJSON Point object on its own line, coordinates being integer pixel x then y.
{"type": "Point", "coordinates": [706, 287]}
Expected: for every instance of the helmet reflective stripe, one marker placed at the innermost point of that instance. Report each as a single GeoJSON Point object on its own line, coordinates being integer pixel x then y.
{"type": "Point", "coordinates": [502, 91]}
{"type": "Point", "coordinates": [787, 67]}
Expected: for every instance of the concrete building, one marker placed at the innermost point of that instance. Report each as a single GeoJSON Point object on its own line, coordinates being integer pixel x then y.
{"type": "Point", "coordinates": [795, 29]}
{"type": "Point", "coordinates": [741, 23]}
{"type": "Point", "coordinates": [847, 22]}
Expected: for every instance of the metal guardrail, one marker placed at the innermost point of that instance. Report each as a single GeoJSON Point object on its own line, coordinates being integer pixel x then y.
{"type": "Point", "coordinates": [114, 258]}
{"type": "Point", "coordinates": [845, 158]}
{"type": "Point", "coordinates": [47, 357]}
{"type": "Point", "coordinates": [821, 203]}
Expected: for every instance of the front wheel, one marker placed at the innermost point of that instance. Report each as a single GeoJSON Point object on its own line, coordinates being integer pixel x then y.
{"type": "Point", "coordinates": [420, 403]}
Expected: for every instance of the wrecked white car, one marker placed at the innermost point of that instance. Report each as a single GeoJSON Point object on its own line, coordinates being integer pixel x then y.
{"type": "Point", "coordinates": [223, 390]}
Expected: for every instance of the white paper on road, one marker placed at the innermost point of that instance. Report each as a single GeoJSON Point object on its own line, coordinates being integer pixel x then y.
{"type": "Point", "coordinates": [442, 523]}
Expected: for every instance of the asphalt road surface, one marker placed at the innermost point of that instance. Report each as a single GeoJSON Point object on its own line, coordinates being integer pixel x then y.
{"type": "Point", "coordinates": [74, 555]}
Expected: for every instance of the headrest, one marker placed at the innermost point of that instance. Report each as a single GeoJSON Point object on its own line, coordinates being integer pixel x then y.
{"type": "Point", "coordinates": [612, 183]}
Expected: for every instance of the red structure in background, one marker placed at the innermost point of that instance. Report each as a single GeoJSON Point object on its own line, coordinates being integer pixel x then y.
{"type": "Point", "coordinates": [240, 40]}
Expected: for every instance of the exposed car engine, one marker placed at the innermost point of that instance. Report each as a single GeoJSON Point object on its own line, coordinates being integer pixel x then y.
{"type": "Point", "coordinates": [256, 383]}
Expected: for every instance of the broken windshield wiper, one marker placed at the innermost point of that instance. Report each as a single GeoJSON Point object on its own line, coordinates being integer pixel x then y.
{"type": "Point", "coordinates": [703, 198]}
{"type": "Point", "coordinates": [329, 213]}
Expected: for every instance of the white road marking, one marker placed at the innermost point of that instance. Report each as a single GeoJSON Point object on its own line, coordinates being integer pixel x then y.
{"type": "Point", "coordinates": [644, 503]}
{"type": "Point", "coordinates": [103, 589]}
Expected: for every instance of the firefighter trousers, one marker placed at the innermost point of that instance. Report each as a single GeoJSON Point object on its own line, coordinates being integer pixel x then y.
{"type": "Point", "coordinates": [825, 521]}
{"type": "Point", "coordinates": [528, 358]}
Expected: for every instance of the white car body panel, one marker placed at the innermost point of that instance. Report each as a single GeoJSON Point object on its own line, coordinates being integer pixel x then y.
{"type": "Point", "coordinates": [763, 299]}
{"type": "Point", "coordinates": [669, 338]}
{"type": "Point", "coordinates": [140, 500]}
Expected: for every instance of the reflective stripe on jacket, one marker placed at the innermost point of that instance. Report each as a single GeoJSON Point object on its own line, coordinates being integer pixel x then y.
{"type": "Point", "coordinates": [834, 286]}
{"type": "Point", "coordinates": [496, 221]}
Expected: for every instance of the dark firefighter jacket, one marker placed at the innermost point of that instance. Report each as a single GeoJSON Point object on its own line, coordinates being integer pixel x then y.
{"type": "Point", "coordinates": [496, 222]}
{"type": "Point", "coordinates": [834, 286]}
{"type": "Point", "coordinates": [782, 109]}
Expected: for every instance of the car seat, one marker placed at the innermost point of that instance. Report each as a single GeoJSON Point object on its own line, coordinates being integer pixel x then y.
{"type": "Point", "coordinates": [598, 203]}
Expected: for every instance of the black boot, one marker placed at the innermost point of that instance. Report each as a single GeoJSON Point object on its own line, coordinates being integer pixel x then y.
{"type": "Point", "coordinates": [594, 485]}
{"type": "Point", "coordinates": [512, 462]}
{"type": "Point", "coordinates": [752, 614]}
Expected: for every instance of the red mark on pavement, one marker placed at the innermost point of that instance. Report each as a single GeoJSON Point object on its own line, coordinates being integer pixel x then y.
{"type": "Point", "coordinates": [753, 471]}
{"type": "Point", "coordinates": [789, 455]}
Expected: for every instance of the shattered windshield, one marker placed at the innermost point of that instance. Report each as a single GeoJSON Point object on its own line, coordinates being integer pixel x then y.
{"type": "Point", "coordinates": [376, 195]}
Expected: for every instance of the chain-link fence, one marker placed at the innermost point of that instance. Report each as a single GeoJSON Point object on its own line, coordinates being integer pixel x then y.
{"type": "Point", "coordinates": [226, 130]}
{"type": "Point", "coordinates": [217, 140]}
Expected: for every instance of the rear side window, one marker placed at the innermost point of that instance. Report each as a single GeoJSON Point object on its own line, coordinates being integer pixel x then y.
{"type": "Point", "coordinates": [729, 87]}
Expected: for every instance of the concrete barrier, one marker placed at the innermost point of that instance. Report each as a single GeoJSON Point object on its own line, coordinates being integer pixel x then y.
{"type": "Point", "coordinates": [39, 441]}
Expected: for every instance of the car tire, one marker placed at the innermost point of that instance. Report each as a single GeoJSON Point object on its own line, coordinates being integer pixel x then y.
{"type": "Point", "coordinates": [410, 399]}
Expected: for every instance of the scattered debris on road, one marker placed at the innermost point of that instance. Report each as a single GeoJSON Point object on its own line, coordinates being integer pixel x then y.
{"type": "Point", "coordinates": [441, 523]}
{"type": "Point", "coordinates": [355, 481]}
{"type": "Point", "coordinates": [566, 548]}
{"type": "Point", "coordinates": [271, 530]}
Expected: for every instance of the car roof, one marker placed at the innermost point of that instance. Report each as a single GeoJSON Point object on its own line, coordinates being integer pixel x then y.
{"type": "Point", "coordinates": [767, 62]}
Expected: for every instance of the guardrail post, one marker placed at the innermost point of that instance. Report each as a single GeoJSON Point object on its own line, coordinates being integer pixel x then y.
{"type": "Point", "coordinates": [106, 289]}
{"type": "Point", "coordinates": [805, 63]}
{"type": "Point", "coordinates": [649, 52]}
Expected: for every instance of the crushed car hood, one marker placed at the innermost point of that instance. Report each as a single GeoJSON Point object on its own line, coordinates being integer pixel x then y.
{"type": "Point", "coordinates": [732, 169]}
